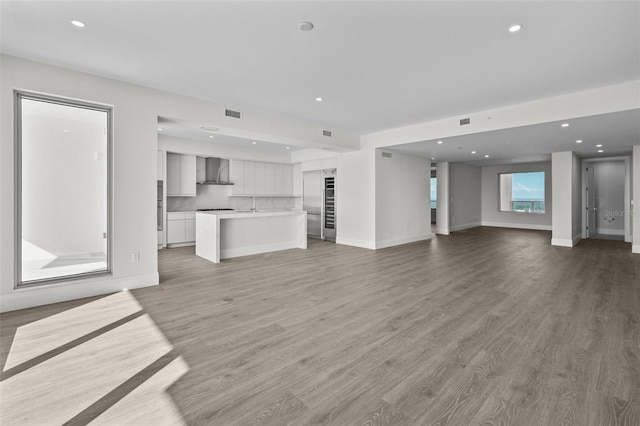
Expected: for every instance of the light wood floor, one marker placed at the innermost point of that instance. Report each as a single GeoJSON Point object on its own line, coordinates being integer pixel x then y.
{"type": "Point", "coordinates": [486, 326]}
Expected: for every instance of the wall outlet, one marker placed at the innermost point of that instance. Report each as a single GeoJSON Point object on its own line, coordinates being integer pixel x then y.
{"type": "Point", "coordinates": [135, 256]}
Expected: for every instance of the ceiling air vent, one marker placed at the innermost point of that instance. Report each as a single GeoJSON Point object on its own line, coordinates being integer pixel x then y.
{"type": "Point", "coordinates": [386, 154]}
{"type": "Point", "coordinates": [464, 121]}
{"type": "Point", "coordinates": [327, 133]}
{"type": "Point", "coordinates": [233, 114]}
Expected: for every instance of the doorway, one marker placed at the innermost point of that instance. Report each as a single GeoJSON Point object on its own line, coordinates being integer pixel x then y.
{"type": "Point", "coordinates": [605, 198]}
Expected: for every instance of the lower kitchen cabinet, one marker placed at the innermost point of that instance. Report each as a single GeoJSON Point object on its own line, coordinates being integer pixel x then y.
{"type": "Point", "coordinates": [181, 228]}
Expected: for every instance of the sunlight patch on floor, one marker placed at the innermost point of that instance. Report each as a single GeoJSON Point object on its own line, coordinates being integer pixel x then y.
{"type": "Point", "coordinates": [61, 387]}
{"type": "Point", "coordinates": [149, 403]}
{"type": "Point", "coordinates": [47, 334]}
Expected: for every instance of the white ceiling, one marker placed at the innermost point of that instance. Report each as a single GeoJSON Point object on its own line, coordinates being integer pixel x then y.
{"type": "Point", "coordinates": [378, 65]}
{"type": "Point", "coordinates": [535, 143]}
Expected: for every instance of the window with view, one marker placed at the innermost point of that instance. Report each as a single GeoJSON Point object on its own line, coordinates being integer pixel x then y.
{"type": "Point", "coordinates": [522, 192]}
{"type": "Point", "coordinates": [434, 192]}
{"type": "Point", "coordinates": [63, 158]}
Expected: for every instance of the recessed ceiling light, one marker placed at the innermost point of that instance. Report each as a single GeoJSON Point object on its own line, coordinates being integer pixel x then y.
{"type": "Point", "coordinates": [579, 141]}
{"type": "Point", "coordinates": [287, 147]}
{"type": "Point", "coordinates": [78, 24]}
{"type": "Point", "coordinates": [160, 129]}
{"type": "Point", "coordinates": [564, 125]}
{"type": "Point", "coordinates": [601, 150]}
{"type": "Point", "coordinates": [210, 136]}
{"type": "Point", "coordinates": [66, 130]}
{"type": "Point", "coordinates": [486, 156]}
{"type": "Point", "coordinates": [439, 142]}
{"type": "Point", "coordinates": [254, 143]}
{"type": "Point", "coordinates": [305, 26]}
{"type": "Point", "coordinates": [319, 99]}
{"type": "Point", "coordinates": [515, 28]}
{"type": "Point", "coordinates": [473, 152]}
{"type": "Point", "coordinates": [433, 158]}
{"type": "Point", "coordinates": [599, 145]}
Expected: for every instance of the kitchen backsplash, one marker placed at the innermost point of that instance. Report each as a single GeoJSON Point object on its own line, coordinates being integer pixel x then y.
{"type": "Point", "coordinates": [217, 196]}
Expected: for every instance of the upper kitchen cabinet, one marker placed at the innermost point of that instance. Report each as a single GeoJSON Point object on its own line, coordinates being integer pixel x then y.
{"type": "Point", "coordinates": [236, 175]}
{"type": "Point", "coordinates": [249, 178]}
{"type": "Point", "coordinates": [181, 175]}
{"type": "Point", "coordinates": [254, 178]}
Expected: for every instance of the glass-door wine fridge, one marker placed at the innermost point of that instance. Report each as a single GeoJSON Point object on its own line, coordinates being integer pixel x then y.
{"type": "Point", "coordinates": [329, 207]}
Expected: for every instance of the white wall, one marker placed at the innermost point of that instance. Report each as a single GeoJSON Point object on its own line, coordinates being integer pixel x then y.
{"type": "Point", "coordinates": [136, 111]}
{"type": "Point", "coordinates": [636, 199]}
{"type": "Point", "coordinates": [402, 199]}
{"type": "Point", "coordinates": [465, 196]}
{"type": "Point", "coordinates": [491, 214]}
{"type": "Point", "coordinates": [355, 194]}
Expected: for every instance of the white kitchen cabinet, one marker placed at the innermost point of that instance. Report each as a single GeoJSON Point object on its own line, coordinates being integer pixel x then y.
{"type": "Point", "coordinates": [260, 187]}
{"type": "Point", "coordinates": [296, 179]}
{"type": "Point", "coordinates": [181, 227]}
{"type": "Point", "coordinates": [249, 178]}
{"type": "Point", "coordinates": [287, 179]}
{"type": "Point", "coordinates": [259, 178]}
{"type": "Point", "coordinates": [176, 232]}
{"type": "Point", "coordinates": [270, 178]}
{"type": "Point", "coordinates": [279, 179]}
{"type": "Point", "coordinates": [237, 177]}
{"type": "Point", "coordinates": [181, 175]}
{"type": "Point", "coordinates": [190, 230]}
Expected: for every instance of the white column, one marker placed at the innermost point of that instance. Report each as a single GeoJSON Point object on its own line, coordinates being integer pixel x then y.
{"type": "Point", "coordinates": [561, 195]}
{"type": "Point", "coordinates": [442, 208]}
{"type": "Point", "coordinates": [635, 222]}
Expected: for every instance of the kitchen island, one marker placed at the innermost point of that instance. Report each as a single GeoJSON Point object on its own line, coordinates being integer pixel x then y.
{"type": "Point", "coordinates": [226, 234]}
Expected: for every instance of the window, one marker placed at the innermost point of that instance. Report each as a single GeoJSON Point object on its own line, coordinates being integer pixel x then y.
{"type": "Point", "coordinates": [63, 189]}
{"type": "Point", "coordinates": [434, 192]}
{"type": "Point", "coordinates": [522, 192]}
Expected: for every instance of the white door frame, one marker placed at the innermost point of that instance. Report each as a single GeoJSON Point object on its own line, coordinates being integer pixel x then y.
{"type": "Point", "coordinates": [627, 193]}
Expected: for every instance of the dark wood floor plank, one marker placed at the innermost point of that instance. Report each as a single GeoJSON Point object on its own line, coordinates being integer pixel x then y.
{"type": "Point", "coordinates": [486, 326]}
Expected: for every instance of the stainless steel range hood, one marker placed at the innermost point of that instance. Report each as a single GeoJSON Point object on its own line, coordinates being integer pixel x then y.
{"type": "Point", "coordinates": [213, 171]}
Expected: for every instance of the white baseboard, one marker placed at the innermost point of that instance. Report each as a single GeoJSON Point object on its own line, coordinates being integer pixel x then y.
{"type": "Point", "coordinates": [561, 242]}
{"type": "Point", "coordinates": [29, 297]}
{"type": "Point", "coordinates": [635, 249]}
{"type": "Point", "coordinates": [404, 240]}
{"type": "Point", "coordinates": [465, 226]}
{"type": "Point", "coordinates": [518, 226]}
{"type": "Point", "coordinates": [174, 245]}
{"type": "Point", "coordinates": [371, 245]}
{"type": "Point", "coordinates": [442, 231]}
{"type": "Point", "coordinates": [607, 231]}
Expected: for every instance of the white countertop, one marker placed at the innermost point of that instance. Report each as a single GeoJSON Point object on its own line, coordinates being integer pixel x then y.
{"type": "Point", "coordinates": [238, 214]}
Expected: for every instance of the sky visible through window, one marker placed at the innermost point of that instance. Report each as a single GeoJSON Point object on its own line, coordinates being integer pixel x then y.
{"type": "Point", "coordinates": [528, 186]}
{"type": "Point", "coordinates": [434, 192]}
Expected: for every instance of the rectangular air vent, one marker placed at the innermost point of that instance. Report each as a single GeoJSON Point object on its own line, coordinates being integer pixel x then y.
{"type": "Point", "coordinates": [464, 121]}
{"type": "Point", "coordinates": [233, 114]}
{"type": "Point", "coordinates": [327, 133]}
{"type": "Point", "coordinates": [386, 154]}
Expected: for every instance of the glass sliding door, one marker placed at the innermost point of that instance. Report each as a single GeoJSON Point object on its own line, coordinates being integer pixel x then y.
{"type": "Point", "coordinates": [63, 189]}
